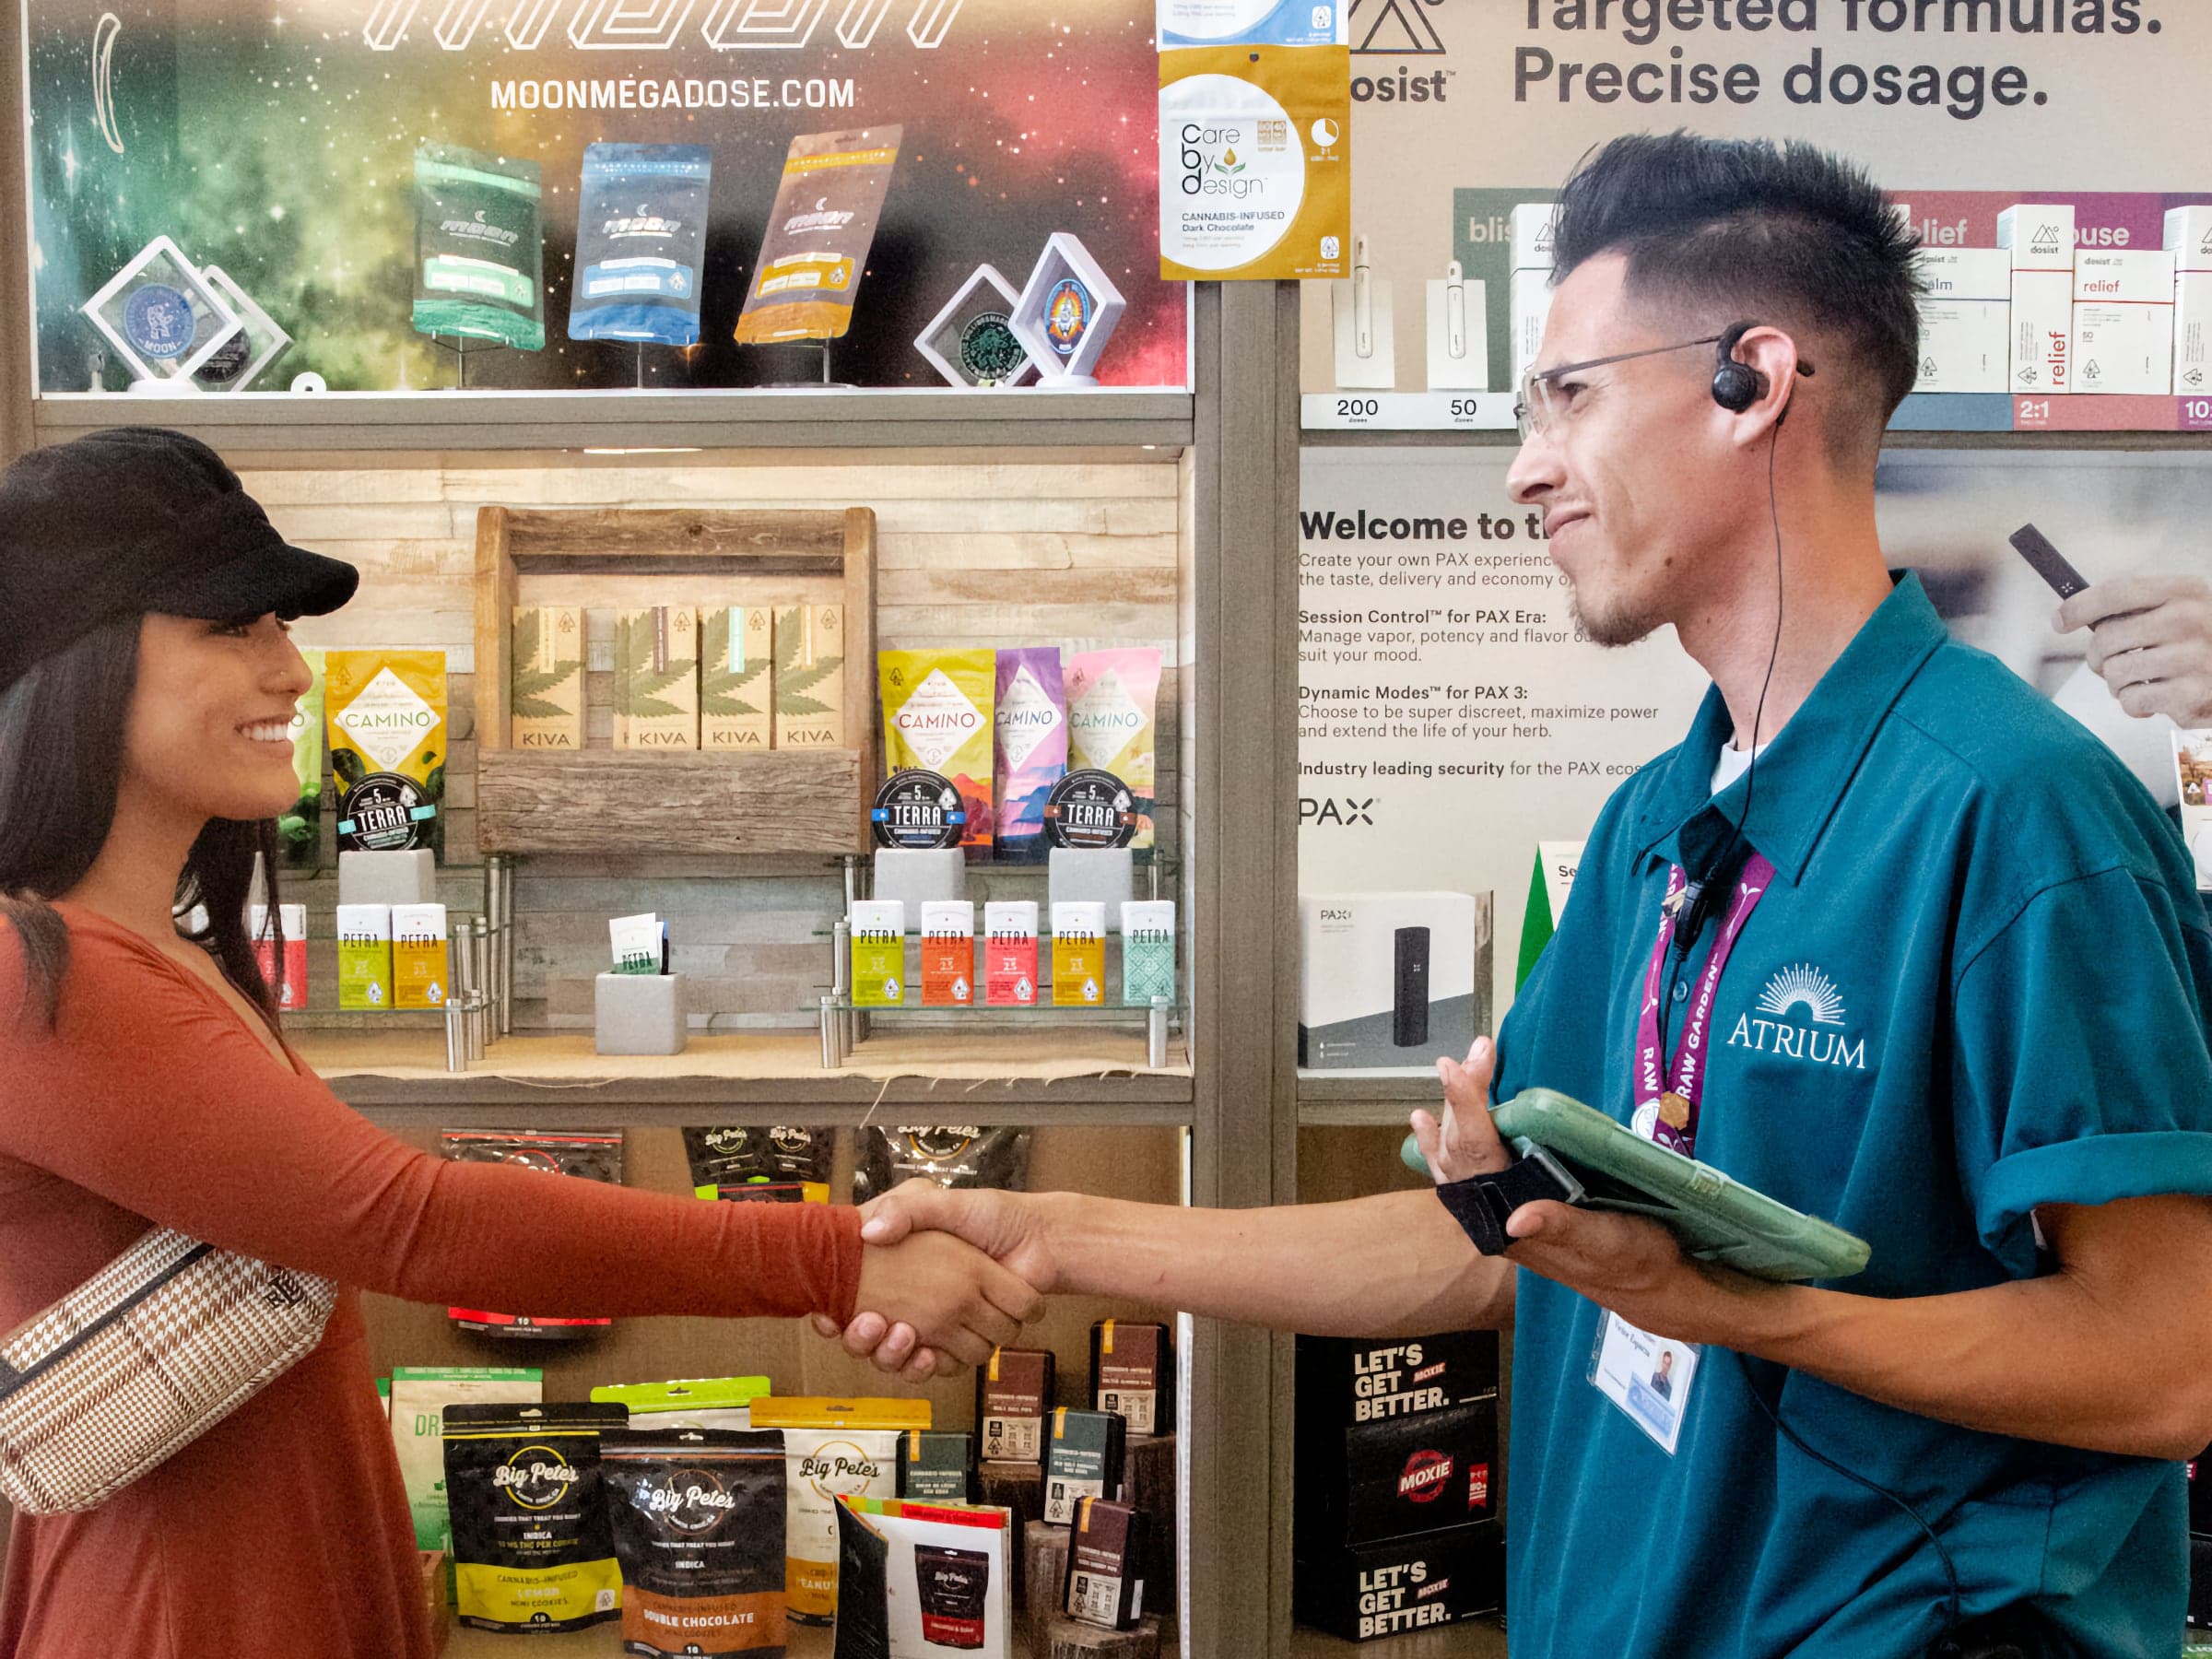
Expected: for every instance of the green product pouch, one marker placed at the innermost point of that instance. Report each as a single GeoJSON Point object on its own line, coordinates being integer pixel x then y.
{"type": "Point", "coordinates": [479, 247]}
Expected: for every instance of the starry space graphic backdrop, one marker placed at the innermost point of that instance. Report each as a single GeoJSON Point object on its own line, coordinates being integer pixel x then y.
{"type": "Point", "coordinates": [271, 139]}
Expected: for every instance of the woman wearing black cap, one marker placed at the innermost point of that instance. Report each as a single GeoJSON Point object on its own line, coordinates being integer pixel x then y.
{"type": "Point", "coordinates": [147, 686]}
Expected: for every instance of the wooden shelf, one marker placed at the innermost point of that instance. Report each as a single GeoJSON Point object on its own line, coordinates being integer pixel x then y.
{"type": "Point", "coordinates": [778, 801]}
{"type": "Point", "coordinates": [1361, 1099]}
{"type": "Point", "coordinates": [1081, 1076]}
{"type": "Point", "coordinates": [782, 801]}
{"type": "Point", "coordinates": [808, 1641]}
{"type": "Point", "coordinates": [276, 422]}
{"type": "Point", "coordinates": [1472, 1639]}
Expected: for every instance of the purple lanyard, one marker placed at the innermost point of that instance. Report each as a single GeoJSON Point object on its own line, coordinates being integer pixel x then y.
{"type": "Point", "coordinates": [1667, 1095]}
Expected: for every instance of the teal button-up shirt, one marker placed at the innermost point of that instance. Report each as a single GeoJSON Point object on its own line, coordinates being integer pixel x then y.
{"type": "Point", "coordinates": [1977, 983]}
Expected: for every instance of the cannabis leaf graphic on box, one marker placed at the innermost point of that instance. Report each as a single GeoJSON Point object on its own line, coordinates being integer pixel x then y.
{"type": "Point", "coordinates": [637, 687]}
{"type": "Point", "coordinates": [720, 689]}
{"type": "Point", "coordinates": [534, 679]}
{"type": "Point", "coordinates": [793, 682]}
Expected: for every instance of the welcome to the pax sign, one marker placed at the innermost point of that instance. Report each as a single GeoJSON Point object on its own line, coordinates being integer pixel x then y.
{"type": "Point", "coordinates": [658, 25]}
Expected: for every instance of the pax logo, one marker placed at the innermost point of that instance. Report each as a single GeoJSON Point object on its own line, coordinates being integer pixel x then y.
{"type": "Point", "coordinates": [1328, 809]}
{"type": "Point", "coordinates": [656, 25]}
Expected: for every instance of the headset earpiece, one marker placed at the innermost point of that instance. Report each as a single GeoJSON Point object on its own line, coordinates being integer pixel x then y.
{"type": "Point", "coordinates": [1735, 386]}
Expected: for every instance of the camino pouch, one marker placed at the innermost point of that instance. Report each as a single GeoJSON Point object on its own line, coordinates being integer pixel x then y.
{"type": "Point", "coordinates": [169, 1338]}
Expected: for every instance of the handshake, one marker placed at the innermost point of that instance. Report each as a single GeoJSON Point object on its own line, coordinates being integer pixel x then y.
{"type": "Point", "coordinates": [948, 1277]}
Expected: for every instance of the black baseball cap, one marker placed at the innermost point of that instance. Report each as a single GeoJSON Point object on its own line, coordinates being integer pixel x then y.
{"type": "Point", "coordinates": [133, 520]}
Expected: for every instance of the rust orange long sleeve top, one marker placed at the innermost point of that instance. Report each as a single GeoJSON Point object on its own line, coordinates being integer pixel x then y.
{"type": "Point", "coordinates": [285, 1530]}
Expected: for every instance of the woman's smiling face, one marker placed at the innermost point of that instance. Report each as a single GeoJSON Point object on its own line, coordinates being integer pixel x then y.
{"type": "Point", "coordinates": [209, 733]}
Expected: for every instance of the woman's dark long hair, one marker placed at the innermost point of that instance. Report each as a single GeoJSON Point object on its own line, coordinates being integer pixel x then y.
{"type": "Point", "coordinates": [60, 767]}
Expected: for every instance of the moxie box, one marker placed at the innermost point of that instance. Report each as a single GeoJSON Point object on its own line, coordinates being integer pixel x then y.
{"type": "Point", "coordinates": [1109, 1546]}
{"type": "Point", "coordinates": [1083, 1458]}
{"type": "Point", "coordinates": [1342, 1381]}
{"type": "Point", "coordinates": [1401, 1584]}
{"type": "Point", "coordinates": [1013, 1397]}
{"type": "Point", "coordinates": [1133, 1374]}
{"type": "Point", "coordinates": [1401, 1476]}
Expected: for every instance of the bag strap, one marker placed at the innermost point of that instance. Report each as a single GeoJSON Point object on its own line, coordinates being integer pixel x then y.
{"type": "Point", "coordinates": [12, 1379]}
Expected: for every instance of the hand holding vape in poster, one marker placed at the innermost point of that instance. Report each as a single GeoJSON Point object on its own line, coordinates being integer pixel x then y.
{"type": "Point", "coordinates": [819, 235]}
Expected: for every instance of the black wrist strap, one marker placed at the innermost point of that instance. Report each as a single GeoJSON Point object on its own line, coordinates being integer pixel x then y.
{"type": "Point", "coordinates": [1481, 1203]}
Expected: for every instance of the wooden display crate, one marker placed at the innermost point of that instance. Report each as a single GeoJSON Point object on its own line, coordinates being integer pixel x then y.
{"type": "Point", "coordinates": [601, 800]}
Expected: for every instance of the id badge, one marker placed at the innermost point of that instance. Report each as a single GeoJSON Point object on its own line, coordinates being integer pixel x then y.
{"type": "Point", "coordinates": [1648, 1377]}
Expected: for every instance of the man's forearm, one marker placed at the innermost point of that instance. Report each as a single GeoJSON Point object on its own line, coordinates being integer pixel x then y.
{"type": "Point", "coordinates": [2040, 1360]}
{"type": "Point", "coordinates": [1392, 1266]}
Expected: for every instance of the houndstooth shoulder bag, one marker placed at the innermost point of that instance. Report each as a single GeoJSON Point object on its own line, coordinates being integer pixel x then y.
{"type": "Point", "coordinates": [139, 1362]}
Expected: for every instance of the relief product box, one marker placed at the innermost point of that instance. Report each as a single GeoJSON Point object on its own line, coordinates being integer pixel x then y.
{"type": "Point", "coordinates": [1965, 316]}
{"type": "Point", "coordinates": [2123, 320]}
{"type": "Point", "coordinates": [2040, 237]}
{"type": "Point", "coordinates": [2189, 240]}
{"type": "Point", "coordinates": [1534, 225]}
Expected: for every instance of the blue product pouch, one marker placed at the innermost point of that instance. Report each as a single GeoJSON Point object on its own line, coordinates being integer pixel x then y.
{"type": "Point", "coordinates": [640, 241]}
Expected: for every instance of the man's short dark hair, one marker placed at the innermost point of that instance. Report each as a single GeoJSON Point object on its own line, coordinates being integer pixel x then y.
{"type": "Point", "coordinates": [1732, 230]}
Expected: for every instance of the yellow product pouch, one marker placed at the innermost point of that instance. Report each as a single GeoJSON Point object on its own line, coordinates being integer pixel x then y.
{"type": "Point", "coordinates": [388, 743]}
{"type": "Point", "coordinates": [1255, 163]}
{"type": "Point", "coordinates": [938, 717]}
{"type": "Point", "coordinates": [831, 1448]}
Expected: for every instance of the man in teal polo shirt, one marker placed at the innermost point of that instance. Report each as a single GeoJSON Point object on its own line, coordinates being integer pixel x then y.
{"type": "Point", "coordinates": [1929, 963]}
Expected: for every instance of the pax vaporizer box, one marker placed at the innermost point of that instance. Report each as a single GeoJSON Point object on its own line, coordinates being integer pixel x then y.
{"type": "Point", "coordinates": [1386, 979]}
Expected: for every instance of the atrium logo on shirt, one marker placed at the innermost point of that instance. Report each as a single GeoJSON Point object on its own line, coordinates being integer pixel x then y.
{"type": "Point", "coordinates": [1799, 1016]}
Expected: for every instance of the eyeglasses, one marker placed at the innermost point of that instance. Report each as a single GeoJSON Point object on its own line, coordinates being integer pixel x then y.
{"type": "Point", "coordinates": [1542, 402]}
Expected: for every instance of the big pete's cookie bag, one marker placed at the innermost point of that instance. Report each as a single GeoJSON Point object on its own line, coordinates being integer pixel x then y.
{"type": "Point", "coordinates": [698, 1521]}
{"type": "Point", "coordinates": [388, 743]}
{"type": "Point", "coordinates": [831, 1448]}
{"type": "Point", "coordinates": [531, 1547]}
{"type": "Point", "coordinates": [1255, 162]}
